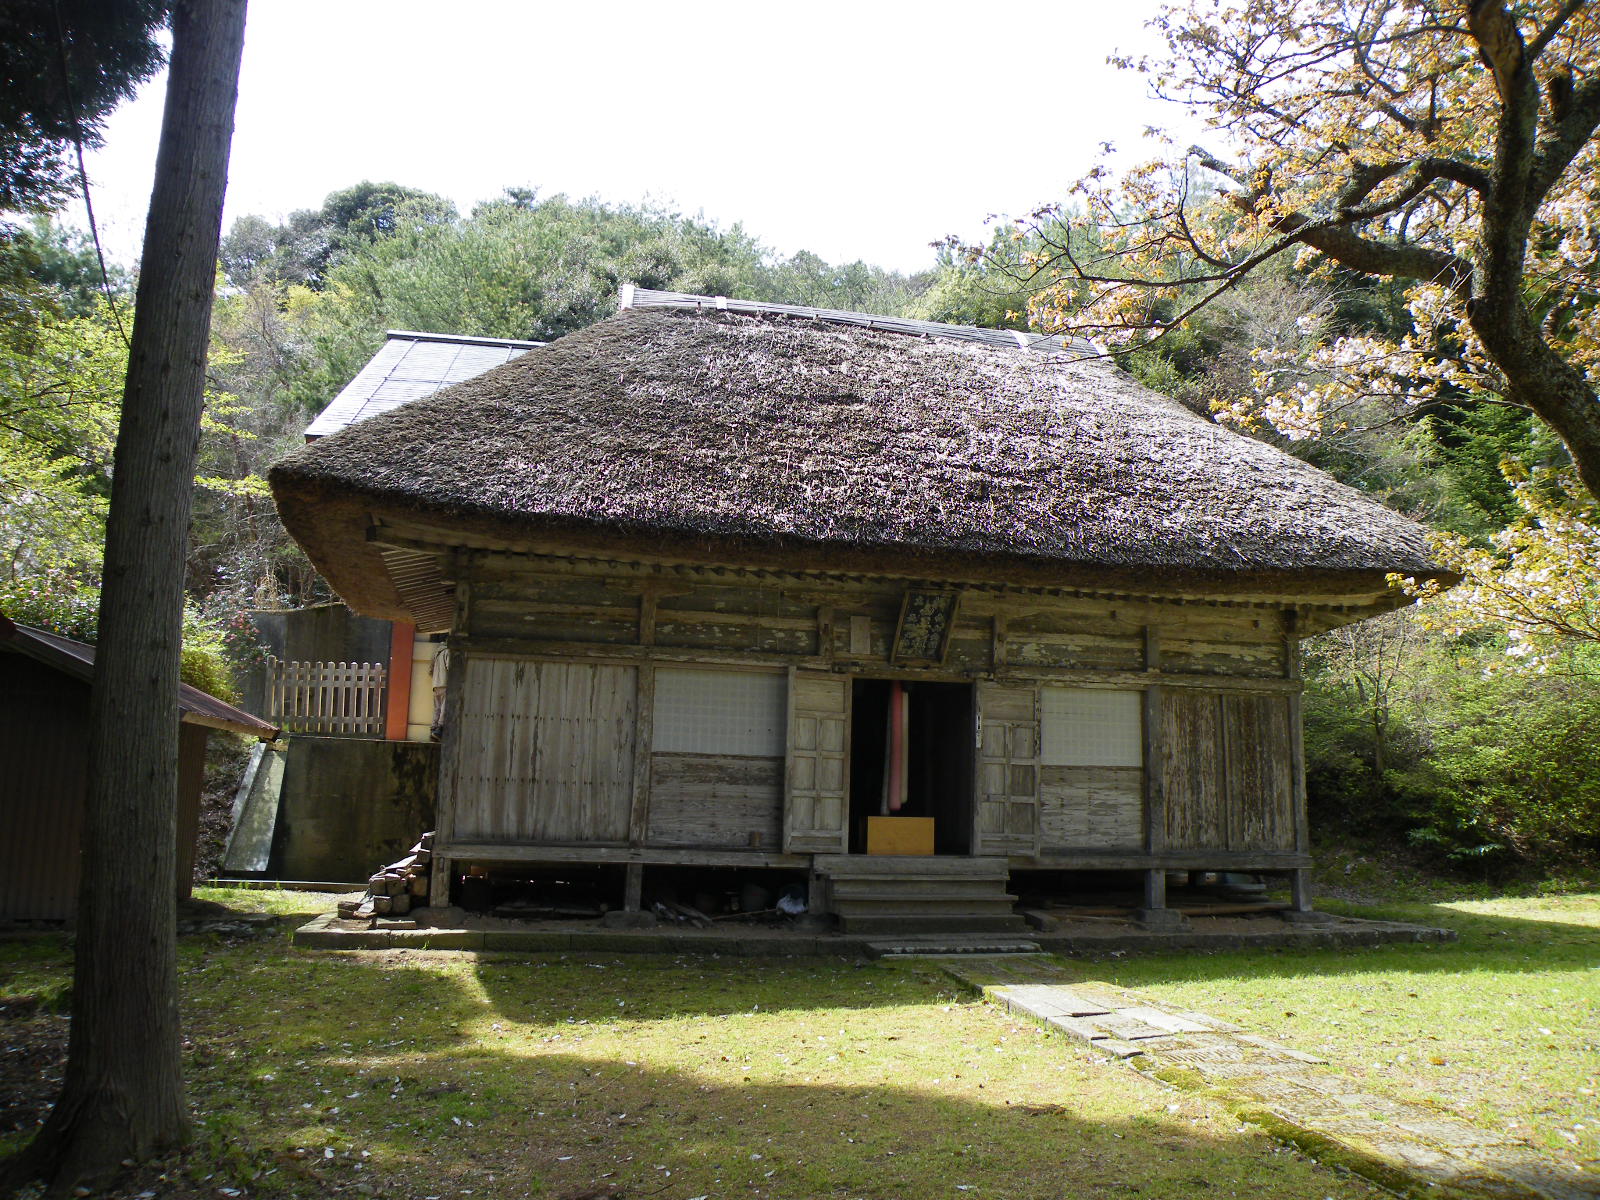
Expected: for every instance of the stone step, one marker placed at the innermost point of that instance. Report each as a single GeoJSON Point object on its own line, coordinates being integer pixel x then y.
{"type": "Point", "coordinates": [911, 924]}
{"type": "Point", "coordinates": [944, 889]}
{"type": "Point", "coordinates": [983, 945]}
{"type": "Point", "coordinates": [987, 905]}
{"type": "Point", "coordinates": [839, 866]}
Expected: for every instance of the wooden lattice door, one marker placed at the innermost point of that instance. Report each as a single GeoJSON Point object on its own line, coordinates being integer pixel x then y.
{"type": "Point", "coordinates": [1006, 792]}
{"type": "Point", "coordinates": [816, 801]}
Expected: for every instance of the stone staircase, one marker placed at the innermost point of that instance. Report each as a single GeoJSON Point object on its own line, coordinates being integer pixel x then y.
{"type": "Point", "coordinates": [917, 894]}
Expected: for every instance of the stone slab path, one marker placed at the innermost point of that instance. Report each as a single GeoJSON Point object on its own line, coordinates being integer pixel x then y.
{"type": "Point", "coordinates": [1295, 1095]}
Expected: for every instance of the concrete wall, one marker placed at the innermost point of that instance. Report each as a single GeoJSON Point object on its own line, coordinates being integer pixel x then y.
{"type": "Point", "coordinates": [326, 633]}
{"type": "Point", "coordinates": [349, 806]}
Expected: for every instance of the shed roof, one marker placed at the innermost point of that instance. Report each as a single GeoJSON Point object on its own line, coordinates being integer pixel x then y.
{"type": "Point", "coordinates": [76, 659]}
{"type": "Point", "coordinates": [746, 432]}
{"type": "Point", "coordinates": [409, 366]}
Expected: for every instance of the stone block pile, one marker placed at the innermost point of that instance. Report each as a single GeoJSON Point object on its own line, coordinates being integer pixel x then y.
{"type": "Point", "coordinates": [397, 888]}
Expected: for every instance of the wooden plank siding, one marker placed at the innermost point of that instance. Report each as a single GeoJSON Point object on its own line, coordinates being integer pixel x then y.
{"type": "Point", "coordinates": [1227, 771]}
{"type": "Point", "coordinates": [1098, 808]}
{"type": "Point", "coordinates": [555, 741]}
{"type": "Point", "coordinates": [545, 752]}
{"type": "Point", "coordinates": [729, 801]}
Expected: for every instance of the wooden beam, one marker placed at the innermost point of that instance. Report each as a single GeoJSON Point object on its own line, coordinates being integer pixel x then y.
{"type": "Point", "coordinates": [1348, 590]}
{"type": "Point", "coordinates": [1066, 858]}
{"type": "Point", "coordinates": [522, 852]}
{"type": "Point", "coordinates": [592, 651]}
{"type": "Point", "coordinates": [623, 653]}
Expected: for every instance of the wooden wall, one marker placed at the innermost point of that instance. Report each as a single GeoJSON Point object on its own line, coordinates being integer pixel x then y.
{"type": "Point", "coordinates": [727, 801]}
{"type": "Point", "coordinates": [1226, 771]}
{"type": "Point", "coordinates": [1096, 808]}
{"type": "Point", "coordinates": [553, 660]}
{"type": "Point", "coordinates": [546, 752]}
{"type": "Point", "coordinates": [44, 741]}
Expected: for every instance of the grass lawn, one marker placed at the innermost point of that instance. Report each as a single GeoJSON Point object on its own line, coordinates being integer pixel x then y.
{"type": "Point", "coordinates": [1501, 1028]}
{"type": "Point", "coordinates": [404, 1074]}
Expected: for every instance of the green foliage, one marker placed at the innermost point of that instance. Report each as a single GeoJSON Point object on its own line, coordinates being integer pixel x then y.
{"type": "Point", "coordinates": [311, 242]}
{"type": "Point", "coordinates": [66, 65]}
{"type": "Point", "coordinates": [516, 268]}
{"type": "Point", "coordinates": [61, 604]}
{"type": "Point", "coordinates": [50, 270]}
{"type": "Point", "coordinates": [205, 657]}
{"type": "Point", "coordinates": [1487, 771]}
{"type": "Point", "coordinates": [1472, 444]}
{"type": "Point", "coordinates": [536, 271]}
{"type": "Point", "coordinates": [52, 601]}
{"type": "Point", "coordinates": [991, 291]}
{"type": "Point", "coordinates": [60, 393]}
{"type": "Point", "coordinates": [855, 287]}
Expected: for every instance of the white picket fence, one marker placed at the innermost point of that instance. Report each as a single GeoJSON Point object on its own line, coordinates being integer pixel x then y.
{"type": "Point", "coordinates": [326, 697]}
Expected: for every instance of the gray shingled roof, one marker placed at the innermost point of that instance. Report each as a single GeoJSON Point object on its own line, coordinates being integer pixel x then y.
{"type": "Point", "coordinates": [410, 366]}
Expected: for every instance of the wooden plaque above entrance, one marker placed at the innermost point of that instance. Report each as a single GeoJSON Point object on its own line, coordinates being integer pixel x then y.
{"type": "Point", "coordinates": [923, 634]}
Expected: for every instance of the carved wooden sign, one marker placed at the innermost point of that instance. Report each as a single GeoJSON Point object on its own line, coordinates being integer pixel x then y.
{"type": "Point", "coordinates": [923, 634]}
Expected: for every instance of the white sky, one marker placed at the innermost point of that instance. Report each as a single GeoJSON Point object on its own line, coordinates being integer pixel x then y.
{"type": "Point", "coordinates": [855, 130]}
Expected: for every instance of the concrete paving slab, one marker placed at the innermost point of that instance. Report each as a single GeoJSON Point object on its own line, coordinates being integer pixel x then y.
{"type": "Point", "coordinates": [1296, 1094]}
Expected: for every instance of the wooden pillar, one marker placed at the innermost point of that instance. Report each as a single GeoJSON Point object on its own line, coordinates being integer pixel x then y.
{"type": "Point", "coordinates": [1155, 914]}
{"type": "Point", "coordinates": [397, 708]}
{"type": "Point", "coordinates": [1300, 890]}
{"type": "Point", "coordinates": [633, 889]}
{"type": "Point", "coordinates": [644, 705]}
{"type": "Point", "coordinates": [1155, 888]}
{"type": "Point", "coordinates": [1155, 793]}
{"type": "Point", "coordinates": [449, 749]}
{"type": "Point", "coordinates": [439, 881]}
{"type": "Point", "coordinates": [1297, 739]}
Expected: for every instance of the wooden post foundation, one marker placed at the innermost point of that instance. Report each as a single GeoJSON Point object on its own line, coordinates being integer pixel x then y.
{"type": "Point", "coordinates": [1155, 914]}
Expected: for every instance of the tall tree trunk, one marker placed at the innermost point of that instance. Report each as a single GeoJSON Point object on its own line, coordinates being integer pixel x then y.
{"type": "Point", "coordinates": [122, 1097]}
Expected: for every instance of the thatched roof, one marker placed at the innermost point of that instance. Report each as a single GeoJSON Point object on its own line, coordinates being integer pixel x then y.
{"type": "Point", "coordinates": [773, 438]}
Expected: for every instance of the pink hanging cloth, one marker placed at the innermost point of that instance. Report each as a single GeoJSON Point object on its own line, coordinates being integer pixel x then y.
{"type": "Point", "coordinates": [895, 784]}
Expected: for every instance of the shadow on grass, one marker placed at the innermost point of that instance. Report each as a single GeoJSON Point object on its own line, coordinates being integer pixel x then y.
{"type": "Point", "coordinates": [526, 1077]}
{"type": "Point", "coordinates": [428, 1075]}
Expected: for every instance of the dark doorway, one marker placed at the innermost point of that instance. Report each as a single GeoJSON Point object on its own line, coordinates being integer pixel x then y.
{"type": "Point", "coordinates": [938, 760]}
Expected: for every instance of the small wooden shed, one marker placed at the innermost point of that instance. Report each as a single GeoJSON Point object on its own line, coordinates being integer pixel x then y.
{"type": "Point", "coordinates": [44, 742]}
{"type": "Point", "coordinates": [733, 584]}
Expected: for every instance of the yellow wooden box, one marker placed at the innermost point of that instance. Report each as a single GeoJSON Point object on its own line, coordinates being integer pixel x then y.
{"type": "Point", "coordinates": [899, 835]}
